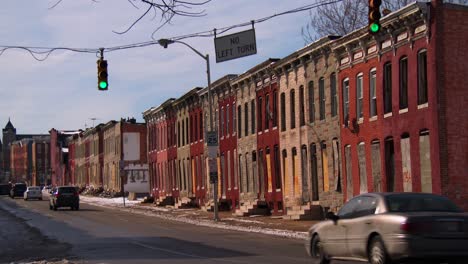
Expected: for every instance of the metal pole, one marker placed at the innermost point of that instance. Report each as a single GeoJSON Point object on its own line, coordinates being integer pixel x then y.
{"type": "Point", "coordinates": [215, 184]}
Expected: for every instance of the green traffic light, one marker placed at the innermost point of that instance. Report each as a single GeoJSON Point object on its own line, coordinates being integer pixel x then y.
{"type": "Point", "coordinates": [374, 28]}
{"type": "Point", "coordinates": [103, 85]}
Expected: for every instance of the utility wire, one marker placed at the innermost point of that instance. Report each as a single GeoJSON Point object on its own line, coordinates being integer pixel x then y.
{"type": "Point", "coordinates": [42, 53]}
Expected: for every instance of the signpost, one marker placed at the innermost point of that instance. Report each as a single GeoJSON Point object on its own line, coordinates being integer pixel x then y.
{"type": "Point", "coordinates": [236, 45]}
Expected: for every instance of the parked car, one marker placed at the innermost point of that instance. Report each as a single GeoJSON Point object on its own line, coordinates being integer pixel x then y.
{"type": "Point", "coordinates": [18, 190]}
{"type": "Point", "coordinates": [384, 227]}
{"type": "Point", "coordinates": [5, 189]}
{"type": "Point", "coordinates": [46, 191]}
{"type": "Point", "coordinates": [64, 196]}
{"type": "Point", "coordinates": [33, 192]}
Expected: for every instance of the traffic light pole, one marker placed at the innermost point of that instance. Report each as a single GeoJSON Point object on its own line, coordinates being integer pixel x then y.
{"type": "Point", "coordinates": [165, 43]}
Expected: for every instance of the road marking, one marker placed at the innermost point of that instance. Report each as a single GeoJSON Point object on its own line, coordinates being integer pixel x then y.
{"type": "Point", "coordinates": [188, 255]}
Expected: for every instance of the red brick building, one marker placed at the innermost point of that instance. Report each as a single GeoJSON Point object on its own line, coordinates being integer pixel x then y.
{"type": "Point", "coordinates": [268, 141]}
{"type": "Point", "coordinates": [401, 93]}
{"type": "Point", "coordinates": [197, 156]}
{"type": "Point", "coordinates": [228, 180]}
{"type": "Point", "coordinates": [162, 152]}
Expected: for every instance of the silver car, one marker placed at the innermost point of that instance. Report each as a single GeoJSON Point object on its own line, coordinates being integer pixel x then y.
{"type": "Point", "coordinates": [383, 228]}
{"type": "Point", "coordinates": [33, 192]}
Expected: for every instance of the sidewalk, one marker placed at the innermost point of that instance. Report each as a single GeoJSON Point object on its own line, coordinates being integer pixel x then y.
{"type": "Point", "coordinates": [271, 225]}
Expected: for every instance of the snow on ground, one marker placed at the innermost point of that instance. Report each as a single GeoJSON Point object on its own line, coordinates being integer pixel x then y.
{"type": "Point", "coordinates": [164, 213]}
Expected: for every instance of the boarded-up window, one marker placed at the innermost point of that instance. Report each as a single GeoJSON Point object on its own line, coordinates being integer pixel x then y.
{"type": "Point", "coordinates": [425, 159]}
{"type": "Point", "coordinates": [285, 172]}
{"type": "Point", "coordinates": [223, 175]}
{"type": "Point", "coordinates": [349, 174]}
{"type": "Point", "coordinates": [241, 186]}
{"type": "Point", "coordinates": [376, 166]}
{"type": "Point", "coordinates": [406, 163]}
{"type": "Point", "coordinates": [336, 165]}
{"type": "Point", "coordinates": [325, 174]}
{"type": "Point", "coordinates": [305, 184]}
{"type": "Point", "coordinates": [361, 148]}
{"type": "Point", "coordinates": [390, 165]}
{"type": "Point", "coordinates": [314, 172]}
{"type": "Point", "coordinates": [294, 170]}
{"type": "Point", "coordinates": [228, 174]}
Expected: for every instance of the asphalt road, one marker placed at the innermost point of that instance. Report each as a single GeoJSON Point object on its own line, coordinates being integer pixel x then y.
{"type": "Point", "coordinates": [102, 235]}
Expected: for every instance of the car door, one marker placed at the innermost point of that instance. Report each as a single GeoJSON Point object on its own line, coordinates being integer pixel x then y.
{"type": "Point", "coordinates": [336, 233]}
{"type": "Point", "coordinates": [361, 225]}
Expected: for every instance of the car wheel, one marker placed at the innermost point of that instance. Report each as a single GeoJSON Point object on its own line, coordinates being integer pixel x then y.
{"type": "Point", "coordinates": [55, 207]}
{"type": "Point", "coordinates": [40, 199]}
{"type": "Point", "coordinates": [50, 207]}
{"type": "Point", "coordinates": [77, 207]}
{"type": "Point", "coordinates": [377, 252]}
{"type": "Point", "coordinates": [316, 251]}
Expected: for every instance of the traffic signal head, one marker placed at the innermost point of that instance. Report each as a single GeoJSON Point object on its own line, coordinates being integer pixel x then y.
{"type": "Point", "coordinates": [102, 75]}
{"type": "Point", "coordinates": [374, 16]}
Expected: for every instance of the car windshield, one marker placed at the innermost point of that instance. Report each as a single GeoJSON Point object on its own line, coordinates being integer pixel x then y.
{"type": "Point", "coordinates": [420, 203]}
{"type": "Point", "coordinates": [33, 188]}
{"type": "Point", "coordinates": [20, 186]}
{"type": "Point", "coordinates": [67, 190]}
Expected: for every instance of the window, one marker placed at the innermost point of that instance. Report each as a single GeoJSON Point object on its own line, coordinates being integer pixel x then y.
{"type": "Point", "coordinates": [333, 96]}
{"type": "Point", "coordinates": [277, 167]}
{"type": "Point", "coordinates": [403, 83]}
{"type": "Point", "coordinates": [233, 123]}
{"type": "Point", "coordinates": [267, 111]}
{"type": "Point", "coordinates": [275, 108]}
{"type": "Point", "coordinates": [252, 118]}
{"type": "Point", "coordinates": [301, 106]}
{"type": "Point", "coordinates": [239, 122]}
{"type": "Point", "coordinates": [221, 122]}
{"type": "Point", "coordinates": [292, 103]}
{"type": "Point", "coordinates": [359, 96]}
{"type": "Point", "coordinates": [233, 110]}
{"type": "Point", "coordinates": [283, 112]}
{"type": "Point", "coordinates": [259, 113]}
{"type": "Point", "coordinates": [346, 99]}
{"type": "Point", "coordinates": [186, 130]}
{"type": "Point", "coordinates": [372, 93]}
{"type": "Point", "coordinates": [195, 128]}
{"type": "Point", "coordinates": [311, 102]}
{"type": "Point", "coordinates": [228, 128]}
{"type": "Point", "coordinates": [201, 125]}
{"type": "Point", "coordinates": [422, 77]}
{"type": "Point", "coordinates": [246, 119]}
{"type": "Point", "coordinates": [322, 98]}
{"type": "Point", "coordinates": [387, 88]}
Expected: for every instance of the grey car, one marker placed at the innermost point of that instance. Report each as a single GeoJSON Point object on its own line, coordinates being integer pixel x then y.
{"type": "Point", "coordinates": [383, 228]}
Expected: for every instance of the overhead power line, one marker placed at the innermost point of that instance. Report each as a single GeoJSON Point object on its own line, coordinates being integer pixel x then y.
{"type": "Point", "coordinates": [42, 53]}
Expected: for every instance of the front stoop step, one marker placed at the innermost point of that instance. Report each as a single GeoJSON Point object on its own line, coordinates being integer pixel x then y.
{"type": "Point", "coordinates": [252, 208]}
{"type": "Point", "coordinates": [304, 212]}
{"type": "Point", "coordinates": [164, 201]}
{"type": "Point", "coordinates": [185, 202]}
{"type": "Point", "coordinates": [223, 205]}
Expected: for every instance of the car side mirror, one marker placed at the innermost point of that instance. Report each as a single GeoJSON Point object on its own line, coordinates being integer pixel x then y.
{"type": "Point", "coordinates": [332, 216]}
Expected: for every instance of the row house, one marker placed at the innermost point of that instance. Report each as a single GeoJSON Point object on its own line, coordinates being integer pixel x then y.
{"type": "Point", "coordinates": [92, 138]}
{"type": "Point", "coordinates": [124, 160]}
{"type": "Point", "coordinates": [197, 157]}
{"type": "Point", "coordinates": [29, 160]}
{"type": "Point", "coordinates": [309, 130]}
{"type": "Point", "coordinates": [187, 171]}
{"type": "Point", "coordinates": [162, 152]}
{"type": "Point", "coordinates": [268, 185]}
{"type": "Point", "coordinates": [401, 93]}
{"type": "Point", "coordinates": [59, 152]}
{"type": "Point", "coordinates": [225, 118]}
{"type": "Point", "coordinates": [246, 97]}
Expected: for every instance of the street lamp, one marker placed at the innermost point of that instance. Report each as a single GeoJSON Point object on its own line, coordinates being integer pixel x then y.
{"type": "Point", "coordinates": [165, 43]}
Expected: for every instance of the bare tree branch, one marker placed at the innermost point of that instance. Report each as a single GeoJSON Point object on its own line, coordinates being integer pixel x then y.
{"type": "Point", "coordinates": [167, 10]}
{"type": "Point", "coordinates": [343, 17]}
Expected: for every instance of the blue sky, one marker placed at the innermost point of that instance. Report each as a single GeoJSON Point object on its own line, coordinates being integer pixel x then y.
{"type": "Point", "coordinates": [61, 92]}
